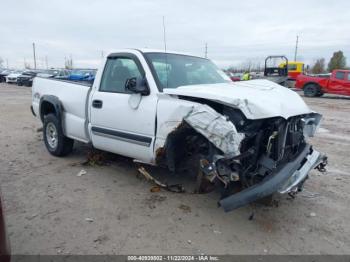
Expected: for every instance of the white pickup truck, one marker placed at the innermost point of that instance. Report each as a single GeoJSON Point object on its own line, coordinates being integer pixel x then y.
{"type": "Point", "coordinates": [177, 110]}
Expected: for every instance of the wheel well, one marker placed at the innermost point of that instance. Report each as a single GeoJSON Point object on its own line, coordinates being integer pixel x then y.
{"type": "Point", "coordinates": [47, 108]}
{"type": "Point", "coordinates": [312, 83]}
{"type": "Point", "coordinates": [180, 145]}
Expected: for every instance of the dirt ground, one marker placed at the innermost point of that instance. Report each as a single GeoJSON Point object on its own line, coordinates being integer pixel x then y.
{"type": "Point", "coordinates": [110, 210]}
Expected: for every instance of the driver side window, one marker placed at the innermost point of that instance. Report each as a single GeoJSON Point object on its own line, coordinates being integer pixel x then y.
{"type": "Point", "coordinates": [116, 72]}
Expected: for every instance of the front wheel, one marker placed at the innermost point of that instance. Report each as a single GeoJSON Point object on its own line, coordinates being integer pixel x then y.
{"type": "Point", "coordinates": [55, 141]}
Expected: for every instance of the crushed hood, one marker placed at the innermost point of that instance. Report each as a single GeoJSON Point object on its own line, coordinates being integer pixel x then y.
{"type": "Point", "coordinates": [257, 99]}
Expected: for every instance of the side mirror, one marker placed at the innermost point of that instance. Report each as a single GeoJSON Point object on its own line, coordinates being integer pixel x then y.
{"type": "Point", "coordinates": [137, 85]}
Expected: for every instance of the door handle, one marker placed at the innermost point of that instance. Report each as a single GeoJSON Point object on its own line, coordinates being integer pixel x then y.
{"type": "Point", "coordinates": [97, 103]}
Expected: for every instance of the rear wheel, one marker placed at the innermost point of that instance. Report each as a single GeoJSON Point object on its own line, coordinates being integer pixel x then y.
{"type": "Point", "coordinates": [311, 90]}
{"type": "Point", "coordinates": [55, 141]}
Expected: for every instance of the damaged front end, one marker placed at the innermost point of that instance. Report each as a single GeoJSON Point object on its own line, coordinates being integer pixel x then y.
{"type": "Point", "coordinates": [250, 159]}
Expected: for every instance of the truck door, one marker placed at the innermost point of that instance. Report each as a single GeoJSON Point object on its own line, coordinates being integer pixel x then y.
{"type": "Point", "coordinates": [347, 84]}
{"type": "Point", "coordinates": [337, 82]}
{"type": "Point", "coordinates": [116, 124]}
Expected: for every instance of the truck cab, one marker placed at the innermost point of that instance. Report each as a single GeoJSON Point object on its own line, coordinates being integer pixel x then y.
{"type": "Point", "coordinates": [294, 69]}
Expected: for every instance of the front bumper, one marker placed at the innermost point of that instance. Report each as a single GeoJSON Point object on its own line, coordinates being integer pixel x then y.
{"type": "Point", "coordinates": [312, 160]}
{"type": "Point", "coordinates": [286, 179]}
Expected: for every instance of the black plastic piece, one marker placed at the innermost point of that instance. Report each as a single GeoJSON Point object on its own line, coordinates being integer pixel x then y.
{"type": "Point", "coordinates": [268, 186]}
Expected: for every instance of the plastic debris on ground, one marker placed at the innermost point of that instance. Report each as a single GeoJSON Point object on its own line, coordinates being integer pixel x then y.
{"type": "Point", "coordinates": [82, 172]}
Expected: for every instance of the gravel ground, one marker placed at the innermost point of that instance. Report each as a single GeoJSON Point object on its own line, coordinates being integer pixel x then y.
{"type": "Point", "coordinates": [110, 210]}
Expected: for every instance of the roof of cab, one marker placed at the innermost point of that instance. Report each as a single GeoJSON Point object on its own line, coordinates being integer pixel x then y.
{"type": "Point", "coordinates": [147, 50]}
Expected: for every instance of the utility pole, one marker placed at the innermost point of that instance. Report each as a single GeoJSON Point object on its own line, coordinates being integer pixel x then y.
{"type": "Point", "coordinates": [71, 61]}
{"type": "Point", "coordinates": [7, 63]}
{"type": "Point", "coordinates": [296, 49]}
{"type": "Point", "coordinates": [102, 54]}
{"type": "Point", "coordinates": [206, 50]}
{"type": "Point", "coordinates": [34, 56]}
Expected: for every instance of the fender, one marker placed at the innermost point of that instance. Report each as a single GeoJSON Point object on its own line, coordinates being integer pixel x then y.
{"type": "Point", "coordinates": [311, 83]}
{"type": "Point", "coordinates": [55, 102]}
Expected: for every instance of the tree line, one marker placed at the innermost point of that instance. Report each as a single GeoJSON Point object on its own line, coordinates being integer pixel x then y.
{"type": "Point", "coordinates": [337, 61]}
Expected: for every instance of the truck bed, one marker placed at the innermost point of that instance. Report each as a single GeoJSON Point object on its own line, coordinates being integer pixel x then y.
{"type": "Point", "coordinates": [73, 97]}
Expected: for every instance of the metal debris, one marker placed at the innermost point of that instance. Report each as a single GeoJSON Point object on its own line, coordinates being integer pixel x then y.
{"type": "Point", "coordinates": [177, 188]}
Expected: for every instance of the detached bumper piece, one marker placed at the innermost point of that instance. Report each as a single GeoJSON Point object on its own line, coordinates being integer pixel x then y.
{"type": "Point", "coordinates": [286, 179]}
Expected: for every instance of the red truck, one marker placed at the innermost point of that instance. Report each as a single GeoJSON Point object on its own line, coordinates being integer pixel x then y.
{"type": "Point", "coordinates": [338, 82]}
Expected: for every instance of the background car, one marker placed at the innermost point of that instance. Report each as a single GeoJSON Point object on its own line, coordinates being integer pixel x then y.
{"type": "Point", "coordinates": [3, 74]}
{"type": "Point", "coordinates": [82, 75]}
{"type": "Point", "coordinates": [12, 78]}
{"type": "Point", "coordinates": [26, 78]}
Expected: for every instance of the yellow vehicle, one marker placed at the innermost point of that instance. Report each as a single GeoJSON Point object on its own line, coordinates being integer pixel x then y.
{"type": "Point", "coordinates": [294, 69]}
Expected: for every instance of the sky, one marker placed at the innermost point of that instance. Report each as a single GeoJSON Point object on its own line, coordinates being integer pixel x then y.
{"type": "Point", "coordinates": [235, 31]}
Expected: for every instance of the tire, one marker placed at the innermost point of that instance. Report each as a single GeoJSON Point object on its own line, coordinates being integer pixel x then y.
{"type": "Point", "coordinates": [19, 83]}
{"type": "Point", "coordinates": [311, 90]}
{"type": "Point", "coordinates": [55, 141]}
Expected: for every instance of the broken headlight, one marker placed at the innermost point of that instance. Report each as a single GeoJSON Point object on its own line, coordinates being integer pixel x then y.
{"type": "Point", "coordinates": [311, 123]}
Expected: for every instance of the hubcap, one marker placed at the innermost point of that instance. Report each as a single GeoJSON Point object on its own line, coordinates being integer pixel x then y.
{"type": "Point", "coordinates": [51, 135]}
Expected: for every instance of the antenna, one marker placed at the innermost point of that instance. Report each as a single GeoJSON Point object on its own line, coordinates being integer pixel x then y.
{"type": "Point", "coordinates": [164, 36]}
{"type": "Point", "coordinates": [166, 55]}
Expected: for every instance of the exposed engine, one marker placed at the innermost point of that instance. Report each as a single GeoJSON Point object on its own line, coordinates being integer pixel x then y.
{"type": "Point", "coordinates": [268, 147]}
{"type": "Point", "coordinates": [268, 143]}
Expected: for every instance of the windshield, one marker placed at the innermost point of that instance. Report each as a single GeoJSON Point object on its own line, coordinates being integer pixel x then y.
{"type": "Point", "coordinates": [172, 70]}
